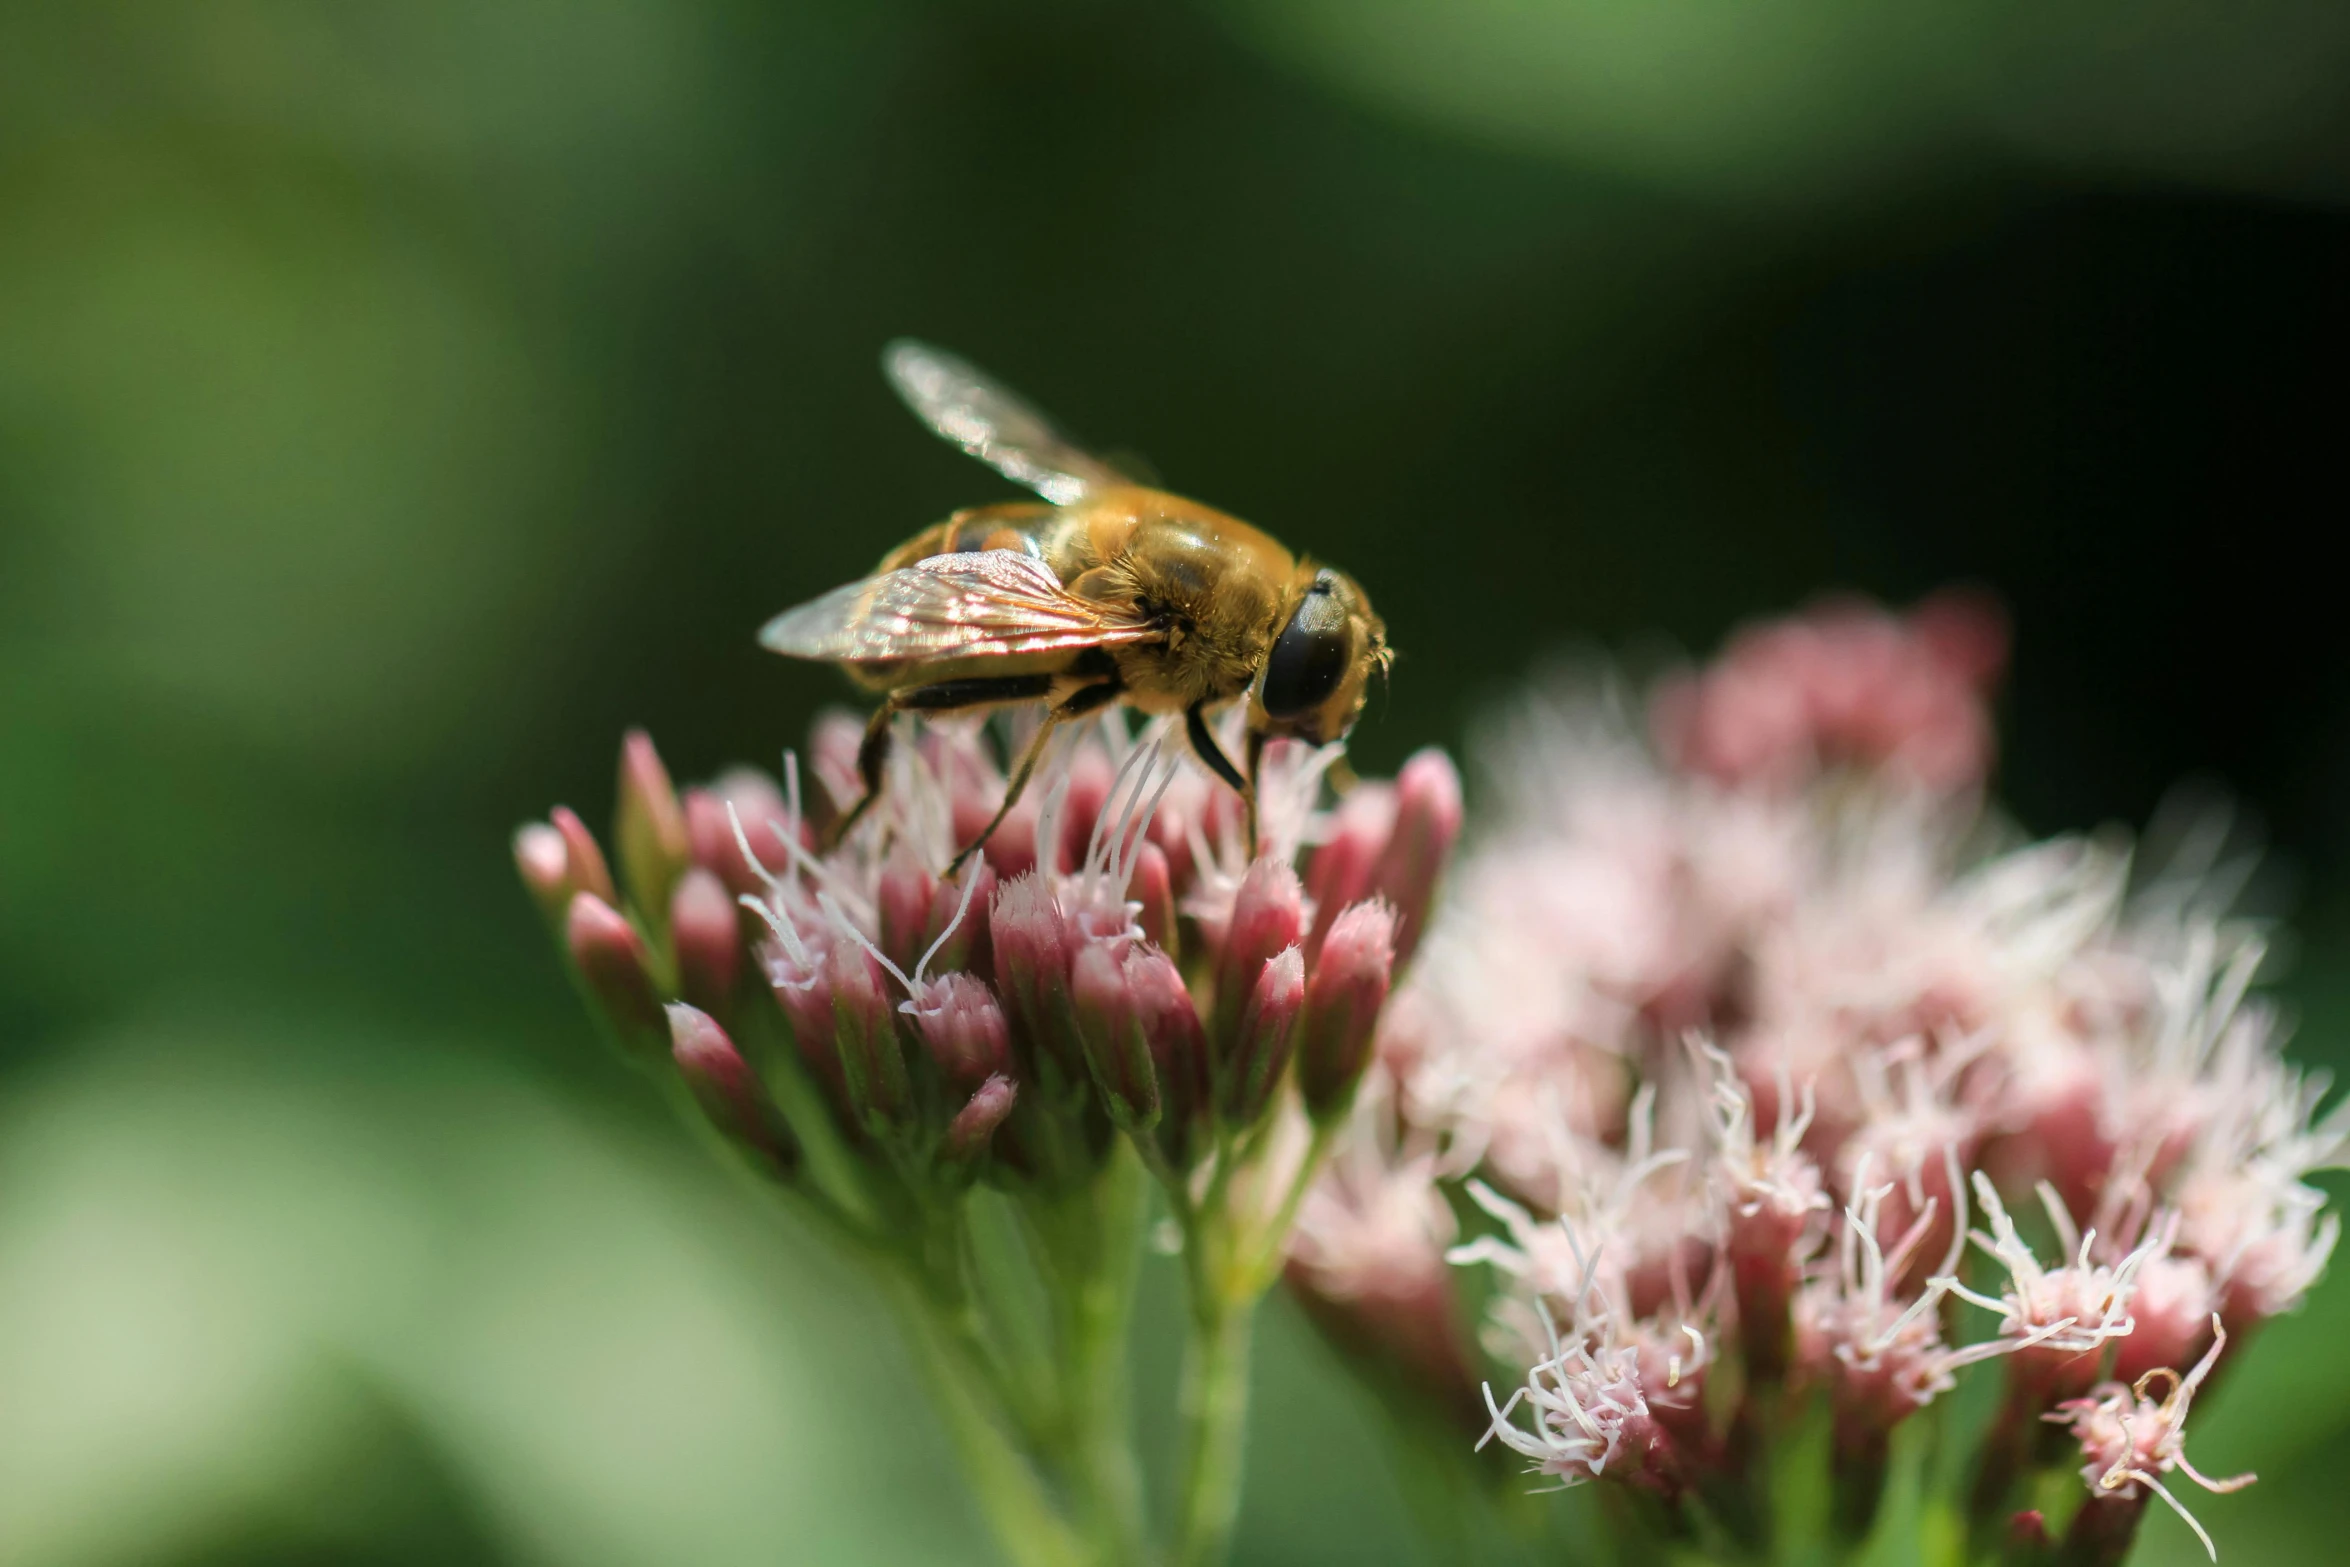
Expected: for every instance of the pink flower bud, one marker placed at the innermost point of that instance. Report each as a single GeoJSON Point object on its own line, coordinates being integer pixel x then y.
{"type": "Point", "coordinates": [965, 945]}
{"type": "Point", "coordinates": [833, 742]}
{"type": "Point", "coordinates": [610, 958]}
{"type": "Point", "coordinates": [1032, 956]}
{"type": "Point", "coordinates": [706, 930]}
{"type": "Point", "coordinates": [758, 804]}
{"type": "Point", "coordinates": [1170, 827]}
{"type": "Point", "coordinates": [1171, 1027]}
{"type": "Point", "coordinates": [583, 861]}
{"type": "Point", "coordinates": [723, 1085]}
{"type": "Point", "coordinates": [1262, 1043]}
{"type": "Point", "coordinates": [1342, 1003]}
{"type": "Point", "coordinates": [2170, 1317]}
{"type": "Point", "coordinates": [974, 1126]}
{"type": "Point", "coordinates": [545, 866]}
{"type": "Point", "coordinates": [1153, 886]}
{"type": "Point", "coordinates": [804, 993]}
{"type": "Point", "coordinates": [1090, 778]}
{"type": "Point", "coordinates": [1115, 1050]}
{"type": "Point", "coordinates": [1427, 821]}
{"type": "Point", "coordinates": [904, 899]}
{"type": "Point", "coordinates": [963, 1027]}
{"type": "Point", "coordinates": [649, 827]}
{"type": "Point", "coordinates": [1268, 915]}
{"type": "Point", "coordinates": [1340, 872]}
{"type": "Point", "coordinates": [873, 1063]}
{"type": "Point", "coordinates": [1011, 850]}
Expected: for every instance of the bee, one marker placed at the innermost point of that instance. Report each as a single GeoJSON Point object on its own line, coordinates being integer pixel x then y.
{"type": "Point", "coordinates": [1107, 591]}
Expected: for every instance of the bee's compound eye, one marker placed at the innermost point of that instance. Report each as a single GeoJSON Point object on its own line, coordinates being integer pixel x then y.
{"type": "Point", "coordinates": [1310, 656]}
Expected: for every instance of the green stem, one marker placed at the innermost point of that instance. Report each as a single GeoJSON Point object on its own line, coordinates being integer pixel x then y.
{"type": "Point", "coordinates": [1027, 1525]}
{"type": "Point", "coordinates": [1214, 1410]}
{"type": "Point", "coordinates": [1093, 1250]}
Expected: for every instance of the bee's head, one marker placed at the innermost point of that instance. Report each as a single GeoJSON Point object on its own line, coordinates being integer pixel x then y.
{"type": "Point", "coordinates": [1312, 685]}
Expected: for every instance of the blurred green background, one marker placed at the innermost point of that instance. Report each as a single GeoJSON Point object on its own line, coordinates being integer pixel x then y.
{"type": "Point", "coordinates": [397, 401]}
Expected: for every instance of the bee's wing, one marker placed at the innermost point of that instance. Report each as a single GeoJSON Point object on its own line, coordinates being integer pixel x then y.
{"type": "Point", "coordinates": [992, 424]}
{"type": "Point", "coordinates": [977, 604]}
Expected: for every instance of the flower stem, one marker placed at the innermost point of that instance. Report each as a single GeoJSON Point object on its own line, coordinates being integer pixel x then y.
{"type": "Point", "coordinates": [1027, 1525]}
{"type": "Point", "coordinates": [1215, 1417]}
{"type": "Point", "coordinates": [1093, 1251]}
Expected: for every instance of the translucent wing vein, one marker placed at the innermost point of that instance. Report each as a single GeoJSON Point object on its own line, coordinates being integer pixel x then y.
{"type": "Point", "coordinates": [976, 604]}
{"type": "Point", "coordinates": [992, 424]}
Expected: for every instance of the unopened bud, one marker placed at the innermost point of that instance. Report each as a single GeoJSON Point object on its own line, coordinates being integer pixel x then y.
{"type": "Point", "coordinates": [1031, 942]}
{"type": "Point", "coordinates": [833, 743]}
{"type": "Point", "coordinates": [1178, 1044]}
{"type": "Point", "coordinates": [1342, 1003]}
{"type": "Point", "coordinates": [1262, 1043]}
{"type": "Point", "coordinates": [904, 898]}
{"type": "Point", "coordinates": [1268, 914]}
{"type": "Point", "coordinates": [610, 958]}
{"type": "Point", "coordinates": [757, 804]}
{"type": "Point", "coordinates": [545, 867]}
{"type": "Point", "coordinates": [974, 1126]}
{"type": "Point", "coordinates": [1086, 793]}
{"type": "Point", "coordinates": [724, 1086]}
{"type": "Point", "coordinates": [649, 827]}
{"type": "Point", "coordinates": [583, 861]}
{"type": "Point", "coordinates": [962, 944]}
{"type": "Point", "coordinates": [963, 1027]}
{"type": "Point", "coordinates": [1153, 886]}
{"type": "Point", "coordinates": [873, 1063]}
{"type": "Point", "coordinates": [1011, 848]}
{"type": "Point", "coordinates": [804, 994]}
{"type": "Point", "coordinates": [706, 931]}
{"type": "Point", "coordinates": [1108, 1027]}
{"type": "Point", "coordinates": [1340, 872]}
{"type": "Point", "coordinates": [1427, 821]}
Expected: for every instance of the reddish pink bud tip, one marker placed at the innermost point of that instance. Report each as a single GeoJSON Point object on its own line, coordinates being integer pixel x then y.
{"type": "Point", "coordinates": [758, 804]}
{"type": "Point", "coordinates": [2028, 1528]}
{"type": "Point", "coordinates": [1032, 953]}
{"type": "Point", "coordinates": [1342, 1003]}
{"type": "Point", "coordinates": [1153, 886]}
{"type": "Point", "coordinates": [1109, 1028]}
{"type": "Point", "coordinates": [873, 1062]}
{"type": "Point", "coordinates": [962, 942]}
{"type": "Point", "coordinates": [706, 929]}
{"type": "Point", "coordinates": [545, 866]}
{"type": "Point", "coordinates": [649, 827]}
{"type": "Point", "coordinates": [723, 1085]}
{"type": "Point", "coordinates": [964, 1029]}
{"type": "Point", "coordinates": [1171, 1029]}
{"type": "Point", "coordinates": [1427, 824]}
{"type": "Point", "coordinates": [904, 896]}
{"type": "Point", "coordinates": [974, 1126]}
{"type": "Point", "coordinates": [583, 861]}
{"type": "Point", "coordinates": [1268, 914]}
{"type": "Point", "coordinates": [1267, 1032]}
{"type": "Point", "coordinates": [1340, 871]}
{"type": "Point", "coordinates": [610, 957]}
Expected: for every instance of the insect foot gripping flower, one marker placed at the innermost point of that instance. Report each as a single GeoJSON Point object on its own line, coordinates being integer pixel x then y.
{"type": "Point", "coordinates": [972, 1081]}
{"type": "Point", "coordinates": [1776, 1094]}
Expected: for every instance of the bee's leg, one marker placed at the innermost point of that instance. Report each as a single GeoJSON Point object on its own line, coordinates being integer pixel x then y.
{"type": "Point", "coordinates": [946, 696]}
{"type": "Point", "coordinates": [1080, 703]}
{"type": "Point", "coordinates": [1212, 757]}
{"type": "Point", "coordinates": [1256, 766]}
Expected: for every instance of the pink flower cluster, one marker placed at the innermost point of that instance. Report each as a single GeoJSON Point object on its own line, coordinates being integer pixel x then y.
{"type": "Point", "coordinates": [1114, 962]}
{"type": "Point", "coordinates": [1741, 1019]}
